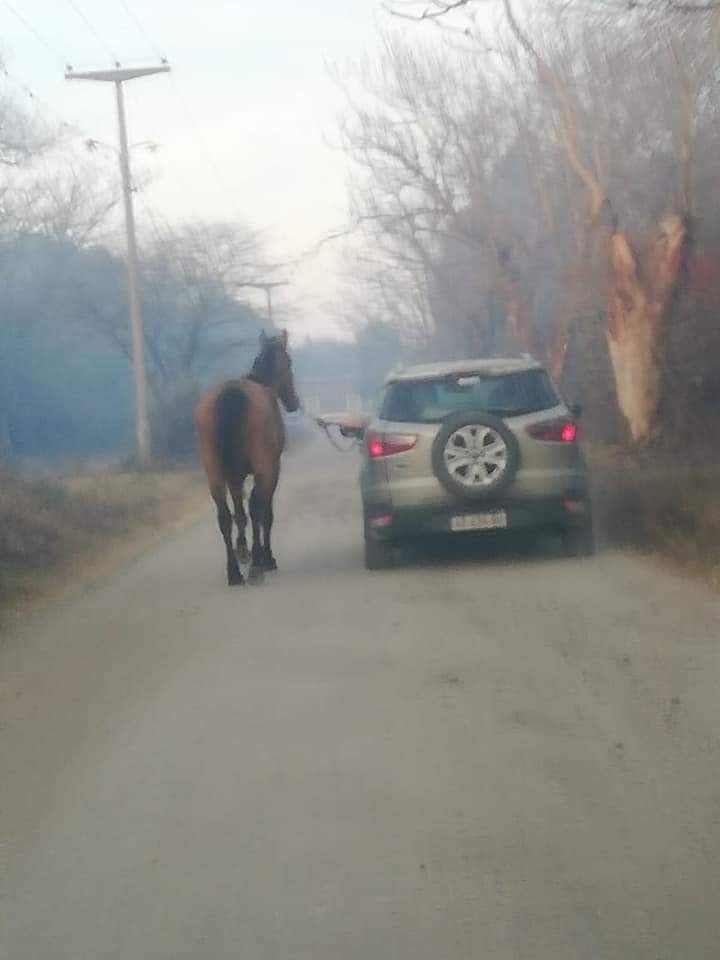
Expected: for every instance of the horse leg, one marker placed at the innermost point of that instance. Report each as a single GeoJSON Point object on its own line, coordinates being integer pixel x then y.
{"type": "Point", "coordinates": [237, 492]}
{"type": "Point", "coordinates": [259, 503]}
{"type": "Point", "coordinates": [270, 563]}
{"type": "Point", "coordinates": [225, 522]}
{"type": "Point", "coordinates": [256, 564]}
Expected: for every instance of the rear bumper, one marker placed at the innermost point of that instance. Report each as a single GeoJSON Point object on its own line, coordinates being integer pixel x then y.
{"type": "Point", "coordinates": [406, 524]}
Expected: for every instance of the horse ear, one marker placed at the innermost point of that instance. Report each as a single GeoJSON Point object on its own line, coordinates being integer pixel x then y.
{"type": "Point", "coordinates": [284, 339]}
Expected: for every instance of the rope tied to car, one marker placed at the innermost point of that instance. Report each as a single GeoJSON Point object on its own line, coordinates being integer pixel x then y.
{"type": "Point", "coordinates": [326, 429]}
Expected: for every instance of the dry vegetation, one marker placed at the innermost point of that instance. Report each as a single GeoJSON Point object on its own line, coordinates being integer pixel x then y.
{"type": "Point", "coordinates": [661, 509]}
{"type": "Point", "coordinates": [52, 527]}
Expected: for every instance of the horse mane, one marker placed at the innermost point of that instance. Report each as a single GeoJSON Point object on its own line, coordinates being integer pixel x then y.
{"type": "Point", "coordinates": [263, 369]}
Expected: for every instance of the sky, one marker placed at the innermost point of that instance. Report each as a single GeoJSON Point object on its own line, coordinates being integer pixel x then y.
{"type": "Point", "coordinates": [245, 123]}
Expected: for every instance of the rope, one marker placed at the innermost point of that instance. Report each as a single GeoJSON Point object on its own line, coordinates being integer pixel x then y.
{"type": "Point", "coordinates": [325, 427]}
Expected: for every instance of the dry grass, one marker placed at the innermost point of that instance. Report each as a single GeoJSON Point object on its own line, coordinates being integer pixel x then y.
{"type": "Point", "coordinates": [50, 527]}
{"type": "Point", "coordinates": [662, 507]}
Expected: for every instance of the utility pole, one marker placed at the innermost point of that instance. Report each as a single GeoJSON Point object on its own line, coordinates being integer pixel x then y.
{"type": "Point", "coordinates": [119, 76]}
{"type": "Point", "coordinates": [268, 287]}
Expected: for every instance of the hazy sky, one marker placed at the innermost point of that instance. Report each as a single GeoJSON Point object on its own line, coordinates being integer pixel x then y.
{"type": "Point", "coordinates": [246, 122]}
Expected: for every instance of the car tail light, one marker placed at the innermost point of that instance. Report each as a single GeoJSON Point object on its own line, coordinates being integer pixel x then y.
{"type": "Point", "coordinates": [380, 521]}
{"type": "Point", "coordinates": [555, 431]}
{"type": "Point", "coordinates": [388, 444]}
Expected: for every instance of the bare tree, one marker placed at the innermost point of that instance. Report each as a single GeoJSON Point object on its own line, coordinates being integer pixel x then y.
{"type": "Point", "coordinates": [195, 315]}
{"type": "Point", "coordinates": [437, 10]}
{"type": "Point", "coordinates": [62, 200]}
{"type": "Point", "coordinates": [21, 137]}
{"type": "Point", "coordinates": [559, 175]}
{"type": "Point", "coordinates": [424, 134]}
{"type": "Point", "coordinates": [642, 280]}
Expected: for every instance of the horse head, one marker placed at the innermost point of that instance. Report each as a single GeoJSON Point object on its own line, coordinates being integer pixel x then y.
{"type": "Point", "coordinates": [273, 368]}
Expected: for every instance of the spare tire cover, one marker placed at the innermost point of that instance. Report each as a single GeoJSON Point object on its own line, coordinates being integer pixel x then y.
{"type": "Point", "coordinates": [475, 456]}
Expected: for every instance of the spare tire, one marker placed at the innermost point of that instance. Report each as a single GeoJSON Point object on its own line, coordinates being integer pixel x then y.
{"type": "Point", "coordinates": [475, 456]}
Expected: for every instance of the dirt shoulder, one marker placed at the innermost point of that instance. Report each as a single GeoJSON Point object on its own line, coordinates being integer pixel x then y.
{"type": "Point", "coordinates": [73, 530]}
{"type": "Point", "coordinates": [663, 508]}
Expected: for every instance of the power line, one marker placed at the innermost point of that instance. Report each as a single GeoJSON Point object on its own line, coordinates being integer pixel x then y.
{"type": "Point", "coordinates": [41, 102]}
{"type": "Point", "coordinates": [229, 193]}
{"type": "Point", "coordinates": [140, 27]}
{"type": "Point", "coordinates": [93, 30]}
{"type": "Point", "coordinates": [184, 104]}
{"type": "Point", "coordinates": [37, 101]}
{"type": "Point", "coordinates": [54, 53]}
{"type": "Point", "coordinates": [144, 33]}
{"type": "Point", "coordinates": [166, 242]}
{"type": "Point", "coordinates": [40, 37]}
{"type": "Point", "coordinates": [219, 177]}
{"type": "Point", "coordinates": [28, 91]}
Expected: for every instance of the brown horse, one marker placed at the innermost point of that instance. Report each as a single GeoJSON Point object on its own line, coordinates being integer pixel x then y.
{"type": "Point", "coordinates": [241, 433]}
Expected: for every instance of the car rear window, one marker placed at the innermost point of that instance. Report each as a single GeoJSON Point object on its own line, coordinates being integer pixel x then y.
{"type": "Point", "coordinates": [430, 401]}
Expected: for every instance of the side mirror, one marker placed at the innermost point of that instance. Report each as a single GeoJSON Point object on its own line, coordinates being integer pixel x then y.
{"type": "Point", "coordinates": [576, 410]}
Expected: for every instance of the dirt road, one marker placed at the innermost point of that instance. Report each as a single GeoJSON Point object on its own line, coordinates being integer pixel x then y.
{"type": "Point", "coordinates": [511, 756]}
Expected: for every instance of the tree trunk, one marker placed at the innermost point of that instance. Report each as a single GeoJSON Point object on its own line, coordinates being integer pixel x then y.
{"type": "Point", "coordinates": [517, 321]}
{"type": "Point", "coordinates": [640, 290]}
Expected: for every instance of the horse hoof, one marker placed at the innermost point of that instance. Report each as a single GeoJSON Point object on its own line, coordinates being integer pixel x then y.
{"type": "Point", "coordinates": [243, 554]}
{"type": "Point", "coordinates": [235, 579]}
{"type": "Point", "coordinates": [271, 565]}
{"type": "Point", "coordinates": [256, 576]}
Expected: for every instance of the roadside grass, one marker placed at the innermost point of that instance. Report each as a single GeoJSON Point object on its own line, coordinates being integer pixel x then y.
{"type": "Point", "coordinates": [55, 527]}
{"type": "Point", "coordinates": [661, 507]}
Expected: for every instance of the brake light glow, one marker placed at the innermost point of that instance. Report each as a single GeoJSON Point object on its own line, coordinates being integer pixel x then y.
{"type": "Point", "coordinates": [389, 444]}
{"type": "Point", "coordinates": [555, 431]}
{"type": "Point", "coordinates": [569, 432]}
{"type": "Point", "coordinates": [381, 521]}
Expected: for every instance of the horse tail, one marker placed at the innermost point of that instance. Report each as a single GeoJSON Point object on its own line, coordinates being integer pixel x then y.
{"type": "Point", "coordinates": [231, 408]}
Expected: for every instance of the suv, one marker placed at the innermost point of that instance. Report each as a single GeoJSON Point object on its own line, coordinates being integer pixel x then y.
{"type": "Point", "coordinates": [472, 446]}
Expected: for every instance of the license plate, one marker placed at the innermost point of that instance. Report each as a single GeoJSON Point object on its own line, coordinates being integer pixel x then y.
{"type": "Point", "coordinates": [497, 520]}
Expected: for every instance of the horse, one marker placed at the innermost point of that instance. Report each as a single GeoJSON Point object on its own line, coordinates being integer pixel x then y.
{"type": "Point", "coordinates": [241, 433]}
